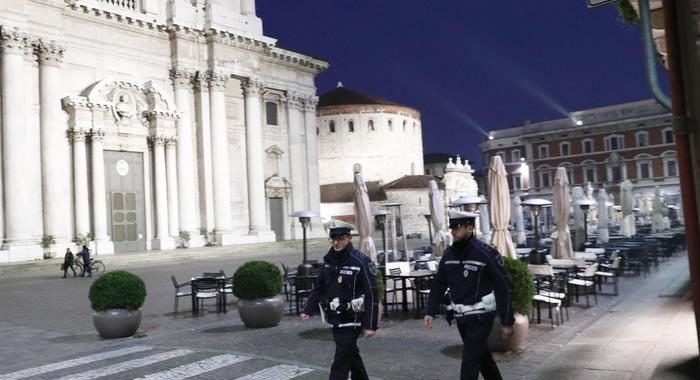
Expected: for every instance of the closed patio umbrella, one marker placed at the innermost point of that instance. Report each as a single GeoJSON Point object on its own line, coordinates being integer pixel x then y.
{"type": "Point", "coordinates": [500, 208]}
{"type": "Point", "coordinates": [439, 235]}
{"type": "Point", "coordinates": [603, 234]}
{"type": "Point", "coordinates": [363, 216]}
{"type": "Point", "coordinates": [561, 246]}
{"type": "Point", "coordinates": [484, 220]}
{"type": "Point", "coordinates": [517, 219]}
{"type": "Point", "coordinates": [627, 227]}
{"type": "Point", "coordinates": [657, 221]}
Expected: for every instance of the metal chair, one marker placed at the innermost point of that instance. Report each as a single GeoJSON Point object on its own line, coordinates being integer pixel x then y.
{"type": "Point", "coordinates": [206, 288]}
{"type": "Point", "coordinates": [178, 292]}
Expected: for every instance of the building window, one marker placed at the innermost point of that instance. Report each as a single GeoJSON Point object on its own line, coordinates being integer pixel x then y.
{"type": "Point", "coordinates": [544, 179]}
{"type": "Point", "coordinates": [370, 125]}
{"type": "Point", "coordinates": [589, 174]}
{"type": "Point", "coordinates": [351, 126]}
{"type": "Point", "coordinates": [331, 126]}
{"type": "Point", "coordinates": [503, 156]}
{"type": "Point", "coordinates": [515, 155]}
{"type": "Point", "coordinates": [565, 148]}
{"type": "Point", "coordinates": [271, 113]}
{"type": "Point", "coordinates": [544, 151]}
{"type": "Point", "coordinates": [642, 139]}
{"type": "Point", "coordinates": [643, 170]}
{"type": "Point", "coordinates": [587, 146]}
{"type": "Point", "coordinates": [516, 182]}
{"type": "Point", "coordinates": [613, 143]}
{"type": "Point", "coordinates": [668, 136]}
{"type": "Point", "coordinates": [616, 173]}
{"type": "Point", "coordinates": [570, 174]}
{"type": "Point", "coordinates": [670, 167]}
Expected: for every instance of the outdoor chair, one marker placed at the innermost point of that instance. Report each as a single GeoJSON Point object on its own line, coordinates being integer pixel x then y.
{"type": "Point", "coordinates": [586, 281]}
{"type": "Point", "coordinates": [180, 291]}
{"type": "Point", "coordinates": [203, 289]}
{"type": "Point", "coordinates": [392, 286]}
{"type": "Point", "coordinates": [608, 270]}
{"type": "Point", "coordinates": [551, 291]}
{"type": "Point", "coordinates": [289, 282]}
{"type": "Point", "coordinates": [228, 283]}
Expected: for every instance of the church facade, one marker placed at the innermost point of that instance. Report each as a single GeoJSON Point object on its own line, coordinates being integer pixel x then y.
{"type": "Point", "coordinates": [133, 122]}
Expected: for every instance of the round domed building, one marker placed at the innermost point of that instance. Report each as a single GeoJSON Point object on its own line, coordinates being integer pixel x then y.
{"type": "Point", "coordinates": [384, 137]}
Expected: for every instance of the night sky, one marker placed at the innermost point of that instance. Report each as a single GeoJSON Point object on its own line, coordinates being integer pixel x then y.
{"type": "Point", "coordinates": [469, 66]}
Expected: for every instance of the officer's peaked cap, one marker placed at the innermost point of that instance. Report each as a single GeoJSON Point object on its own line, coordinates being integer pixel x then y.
{"type": "Point", "coordinates": [462, 218]}
{"type": "Point", "coordinates": [339, 228]}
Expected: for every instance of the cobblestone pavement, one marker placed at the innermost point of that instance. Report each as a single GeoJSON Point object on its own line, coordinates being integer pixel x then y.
{"type": "Point", "coordinates": [47, 332]}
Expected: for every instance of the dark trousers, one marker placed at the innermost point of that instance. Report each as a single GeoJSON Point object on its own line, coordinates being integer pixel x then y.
{"type": "Point", "coordinates": [474, 330]}
{"type": "Point", "coordinates": [65, 269]}
{"type": "Point", "coordinates": [347, 356]}
{"type": "Point", "coordinates": [87, 267]}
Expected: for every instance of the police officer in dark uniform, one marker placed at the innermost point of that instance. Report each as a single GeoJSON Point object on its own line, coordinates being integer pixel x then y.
{"type": "Point", "coordinates": [478, 288]}
{"type": "Point", "coordinates": [346, 291]}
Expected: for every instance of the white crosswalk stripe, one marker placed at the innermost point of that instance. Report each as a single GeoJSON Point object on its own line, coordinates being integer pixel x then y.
{"type": "Point", "coordinates": [88, 367]}
{"type": "Point", "coordinates": [72, 363]}
{"type": "Point", "coordinates": [125, 366]}
{"type": "Point", "coordinates": [196, 368]}
{"type": "Point", "coordinates": [279, 372]}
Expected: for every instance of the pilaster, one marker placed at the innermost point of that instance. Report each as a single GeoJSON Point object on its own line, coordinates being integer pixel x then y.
{"type": "Point", "coordinates": [172, 183]}
{"type": "Point", "coordinates": [314, 188]}
{"type": "Point", "coordinates": [103, 244]}
{"type": "Point", "coordinates": [162, 240]}
{"type": "Point", "coordinates": [204, 150]}
{"type": "Point", "coordinates": [297, 158]}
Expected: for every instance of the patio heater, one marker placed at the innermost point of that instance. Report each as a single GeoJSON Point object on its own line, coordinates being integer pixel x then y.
{"type": "Point", "coordinates": [304, 219]}
{"type": "Point", "coordinates": [536, 206]}
{"type": "Point", "coordinates": [585, 204]}
{"type": "Point", "coordinates": [380, 218]}
{"type": "Point", "coordinates": [429, 218]}
{"type": "Point", "coordinates": [468, 203]}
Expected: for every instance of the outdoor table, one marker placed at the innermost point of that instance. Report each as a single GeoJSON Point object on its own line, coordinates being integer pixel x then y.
{"type": "Point", "coordinates": [417, 277]}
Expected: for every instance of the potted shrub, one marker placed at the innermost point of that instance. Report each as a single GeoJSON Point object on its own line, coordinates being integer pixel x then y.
{"type": "Point", "coordinates": [184, 237]}
{"type": "Point", "coordinates": [522, 290]}
{"type": "Point", "coordinates": [47, 242]}
{"type": "Point", "coordinates": [257, 284]}
{"type": "Point", "coordinates": [116, 298]}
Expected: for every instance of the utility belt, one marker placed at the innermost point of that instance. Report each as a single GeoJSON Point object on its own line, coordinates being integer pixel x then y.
{"type": "Point", "coordinates": [487, 304]}
{"type": "Point", "coordinates": [357, 305]}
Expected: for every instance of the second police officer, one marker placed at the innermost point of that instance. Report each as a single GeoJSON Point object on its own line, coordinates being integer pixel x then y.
{"type": "Point", "coordinates": [474, 273]}
{"type": "Point", "coordinates": [346, 291]}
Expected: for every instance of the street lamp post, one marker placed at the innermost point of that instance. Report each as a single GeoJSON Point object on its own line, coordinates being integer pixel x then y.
{"type": "Point", "coordinates": [380, 218]}
{"type": "Point", "coordinates": [429, 218]}
{"type": "Point", "coordinates": [585, 204]}
{"type": "Point", "coordinates": [535, 206]}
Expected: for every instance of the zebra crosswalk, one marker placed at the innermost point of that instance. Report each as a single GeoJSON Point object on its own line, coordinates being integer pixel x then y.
{"type": "Point", "coordinates": [156, 363]}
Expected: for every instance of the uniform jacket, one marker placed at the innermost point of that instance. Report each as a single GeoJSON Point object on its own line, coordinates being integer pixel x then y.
{"type": "Point", "coordinates": [472, 269]}
{"type": "Point", "coordinates": [68, 259]}
{"type": "Point", "coordinates": [347, 275]}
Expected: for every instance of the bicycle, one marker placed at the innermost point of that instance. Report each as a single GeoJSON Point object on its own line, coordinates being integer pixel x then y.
{"type": "Point", "coordinates": [97, 266]}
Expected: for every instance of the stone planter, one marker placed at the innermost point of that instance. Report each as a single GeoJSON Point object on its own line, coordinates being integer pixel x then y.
{"type": "Point", "coordinates": [263, 312]}
{"type": "Point", "coordinates": [116, 323]}
{"type": "Point", "coordinates": [496, 342]}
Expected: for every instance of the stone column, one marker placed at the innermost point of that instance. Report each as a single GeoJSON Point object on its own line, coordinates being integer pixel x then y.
{"type": "Point", "coordinates": [219, 152]}
{"type": "Point", "coordinates": [171, 169]}
{"type": "Point", "coordinates": [103, 243]}
{"type": "Point", "coordinates": [54, 146]}
{"type": "Point", "coordinates": [80, 183]}
{"type": "Point", "coordinates": [18, 191]}
{"type": "Point", "coordinates": [252, 90]}
{"type": "Point", "coordinates": [248, 7]}
{"type": "Point", "coordinates": [204, 169]}
{"type": "Point", "coordinates": [162, 238]}
{"type": "Point", "coordinates": [297, 158]}
{"type": "Point", "coordinates": [182, 81]}
{"type": "Point", "coordinates": [314, 188]}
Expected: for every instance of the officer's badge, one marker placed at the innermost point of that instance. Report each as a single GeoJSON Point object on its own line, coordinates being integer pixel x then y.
{"type": "Point", "coordinates": [372, 267]}
{"type": "Point", "coordinates": [340, 279]}
{"type": "Point", "coordinates": [466, 273]}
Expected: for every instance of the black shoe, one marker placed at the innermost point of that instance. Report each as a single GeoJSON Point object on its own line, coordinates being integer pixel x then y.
{"type": "Point", "coordinates": [64, 277]}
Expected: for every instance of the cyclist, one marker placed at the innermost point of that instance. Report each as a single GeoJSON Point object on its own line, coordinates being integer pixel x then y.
{"type": "Point", "coordinates": [87, 264]}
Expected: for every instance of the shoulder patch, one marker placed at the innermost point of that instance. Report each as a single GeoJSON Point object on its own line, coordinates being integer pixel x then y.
{"type": "Point", "coordinates": [499, 260]}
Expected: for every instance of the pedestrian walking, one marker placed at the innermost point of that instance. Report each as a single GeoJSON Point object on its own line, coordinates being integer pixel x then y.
{"type": "Point", "coordinates": [345, 291]}
{"type": "Point", "coordinates": [68, 263]}
{"type": "Point", "coordinates": [476, 277]}
{"type": "Point", "coordinates": [85, 255]}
